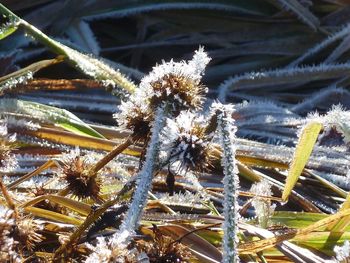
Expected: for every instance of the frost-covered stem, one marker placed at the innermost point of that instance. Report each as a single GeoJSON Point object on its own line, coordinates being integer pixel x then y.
{"type": "Point", "coordinates": [144, 181]}
{"type": "Point", "coordinates": [227, 136]}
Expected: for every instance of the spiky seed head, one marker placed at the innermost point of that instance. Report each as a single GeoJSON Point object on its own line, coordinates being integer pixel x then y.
{"type": "Point", "coordinates": [180, 91]}
{"type": "Point", "coordinates": [163, 249]}
{"type": "Point", "coordinates": [80, 181]}
{"type": "Point", "coordinates": [27, 232]}
{"type": "Point", "coordinates": [185, 140]}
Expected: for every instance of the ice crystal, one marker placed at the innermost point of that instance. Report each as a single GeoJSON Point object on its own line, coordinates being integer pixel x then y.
{"type": "Point", "coordinates": [261, 203]}
{"type": "Point", "coordinates": [227, 130]}
{"type": "Point", "coordinates": [342, 252]}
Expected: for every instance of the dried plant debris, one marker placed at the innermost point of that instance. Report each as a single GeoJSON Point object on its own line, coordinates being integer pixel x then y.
{"type": "Point", "coordinates": [156, 161]}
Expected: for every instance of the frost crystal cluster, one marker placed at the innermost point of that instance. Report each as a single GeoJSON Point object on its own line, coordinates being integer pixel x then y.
{"type": "Point", "coordinates": [261, 203]}
{"type": "Point", "coordinates": [342, 253]}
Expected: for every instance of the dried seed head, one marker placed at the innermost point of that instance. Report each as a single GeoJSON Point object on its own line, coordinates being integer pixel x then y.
{"type": "Point", "coordinates": [180, 91]}
{"type": "Point", "coordinates": [177, 83]}
{"type": "Point", "coordinates": [134, 117]}
{"type": "Point", "coordinates": [76, 172]}
{"type": "Point", "coordinates": [163, 249]}
{"type": "Point", "coordinates": [174, 83]}
{"type": "Point", "coordinates": [27, 232]}
{"type": "Point", "coordinates": [185, 140]}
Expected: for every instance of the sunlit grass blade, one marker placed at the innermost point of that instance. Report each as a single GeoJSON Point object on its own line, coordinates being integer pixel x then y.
{"type": "Point", "coordinates": [92, 67]}
{"type": "Point", "coordinates": [52, 215]}
{"type": "Point", "coordinates": [49, 114]}
{"type": "Point", "coordinates": [257, 246]}
{"type": "Point", "coordinates": [10, 81]}
{"type": "Point", "coordinates": [76, 206]}
{"type": "Point", "coordinates": [9, 28]}
{"type": "Point", "coordinates": [303, 150]}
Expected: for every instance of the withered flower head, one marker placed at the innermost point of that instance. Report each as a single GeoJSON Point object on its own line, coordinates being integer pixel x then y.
{"type": "Point", "coordinates": [27, 232]}
{"type": "Point", "coordinates": [81, 182]}
{"type": "Point", "coordinates": [177, 83]}
{"type": "Point", "coordinates": [185, 140]}
{"type": "Point", "coordinates": [135, 117]}
{"type": "Point", "coordinates": [163, 249]}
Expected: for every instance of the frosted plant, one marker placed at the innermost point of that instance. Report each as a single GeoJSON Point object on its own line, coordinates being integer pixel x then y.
{"type": "Point", "coordinates": [261, 203]}
{"type": "Point", "coordinates": [312, 51]}
{"type": "Point", "coordinates": [342, 253]}
{"type": "Point", "coordinates": [175, 83]}
{"type": "Point", "coordinates": [76, 171]}
{"type": "Point", "coordinates": [185, 140]}
{"type": "Point", "coordinates": [227, 130]}
{"type": "Point", "coordinates": [254, 80]}
{"type": "Point", "coordinates": [14, 81]}
{"type": "Point", "coordinates": [143, 184]}
{"type": "Point", "coordinates": [320, 98]}
{"type": "Point", "coordinates": [337, 118]}
{"type": "Point", "coordinates": [301, 12]}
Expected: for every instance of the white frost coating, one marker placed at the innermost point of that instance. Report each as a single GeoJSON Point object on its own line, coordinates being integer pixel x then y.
{"type": "Point", "coordinates": [107, 249]}
{"type": "Point", "coordinates": [262, 206]}
{"type": "Point", "coordinates": [319, 97]}
{"type": "Point", "coordinates": [138, 102]}
{"type": "Point", "coordinates": [192, 69]}
{"type": "Point", "coordinates": [118, 13]}
{"type": "Point", "coordinates": [143, 184]}
{"type": "Point", "coordinates": [337, 118]}
{"type": "Point", "coordinates": [325, 43]}
{"type": "Point", "coordinates": [342, 253]}
{"type": "Point", "coordinates": [11, 83]}
{"type": "Point", "coordinates": [281, 76]}
{"type": "Point", "coordinates": [227, 130]}
{"type": "Point", "coordinates": [301, 12]}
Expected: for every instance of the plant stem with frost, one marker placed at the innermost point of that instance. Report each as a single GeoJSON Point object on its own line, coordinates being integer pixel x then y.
{"type": "Point", "coordinates": [144, 181]}
{"type": "Point", "coordinates": [227, 131]}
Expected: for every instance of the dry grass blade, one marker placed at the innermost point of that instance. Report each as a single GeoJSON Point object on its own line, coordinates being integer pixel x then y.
{"type": "Point", "coordinates": [303, 150]}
